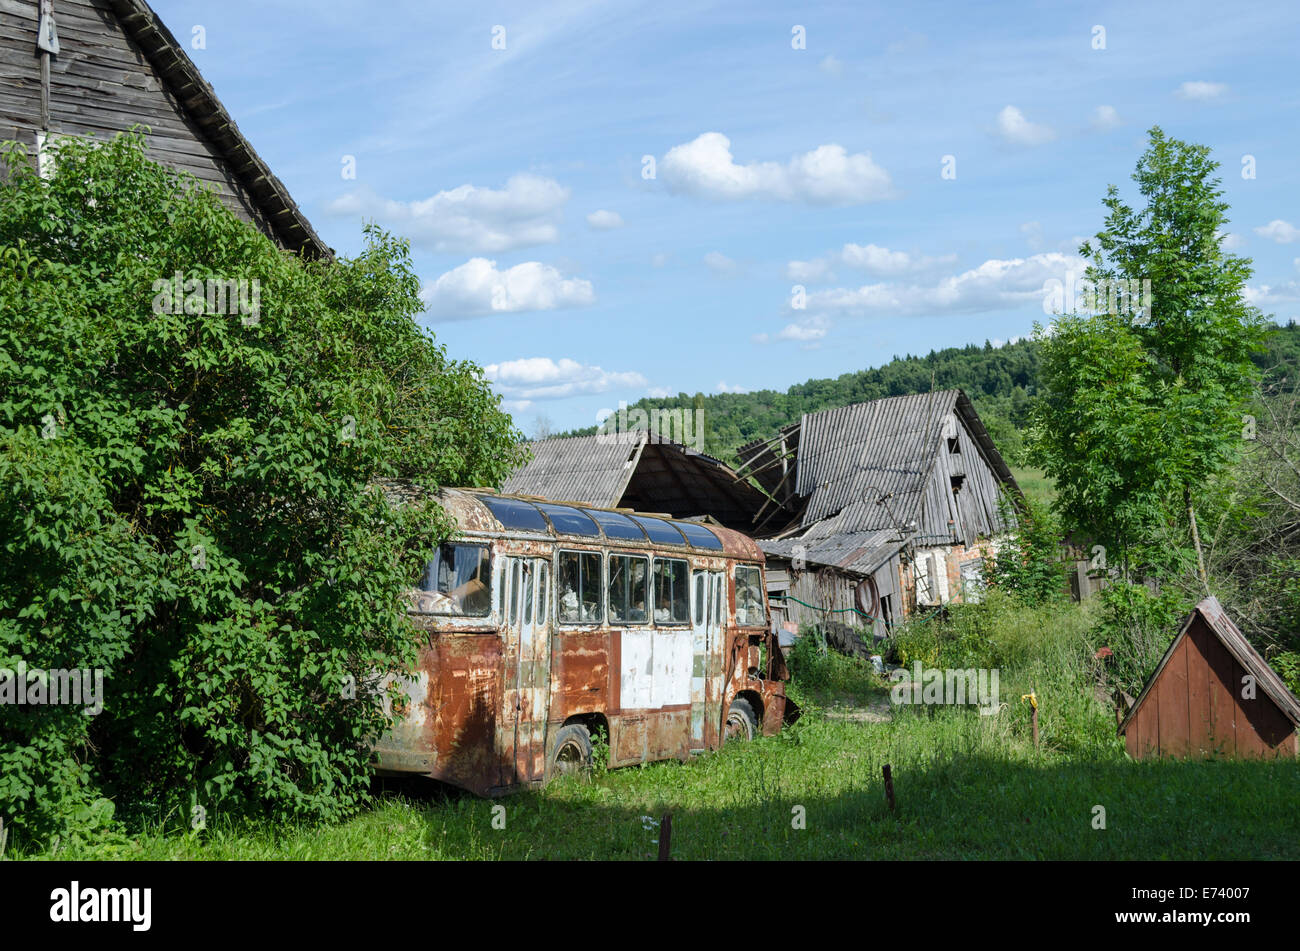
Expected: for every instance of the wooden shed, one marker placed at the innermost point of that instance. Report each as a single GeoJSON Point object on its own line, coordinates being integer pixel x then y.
{"type": "Point", "coordinates": [1212, 694]}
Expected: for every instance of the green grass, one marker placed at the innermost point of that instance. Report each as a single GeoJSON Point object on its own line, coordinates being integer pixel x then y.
{"type": "Point", "coordinates": [965, 789]}
{"type": "Point", "coordinates": [968, 787]}
{"type": "Point", "coordinates": [1034, 483]}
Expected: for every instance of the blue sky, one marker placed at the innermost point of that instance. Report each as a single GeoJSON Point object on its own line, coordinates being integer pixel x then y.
{"type": "Point", "coordinates": [549, 257]}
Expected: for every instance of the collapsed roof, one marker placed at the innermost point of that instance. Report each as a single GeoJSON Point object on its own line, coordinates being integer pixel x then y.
{"type": "Point", "coordinates": [638, 470]}
{"type": "Point", "coordinates": [864, 479]}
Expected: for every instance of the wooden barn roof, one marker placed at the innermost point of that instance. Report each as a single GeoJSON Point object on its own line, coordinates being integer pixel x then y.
{"type": "Point", "coordinates": [630, 469]}
{"type": "Point", "coordinates": [840, 461]}
{"type": "Point", "coordinates": [290, 226]}
{"type": "Point", "coordinates": [1217, 620]}
{"type": "Point", "coordinates": [888, 445]}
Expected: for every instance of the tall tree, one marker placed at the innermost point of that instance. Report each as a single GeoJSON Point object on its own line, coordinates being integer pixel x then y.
{"type": "Point", "coordinates": [1142, 400]}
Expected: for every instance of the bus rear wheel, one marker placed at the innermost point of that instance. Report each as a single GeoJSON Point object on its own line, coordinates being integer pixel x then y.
{"type": "Point", "coordinates": [572, 752]}
{"type": "Point", "coordinates": [742, 723]}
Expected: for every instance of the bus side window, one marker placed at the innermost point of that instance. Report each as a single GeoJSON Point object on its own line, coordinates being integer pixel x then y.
{"type": "Point", "coordinates": [671, 591]}
{"type": "Point", "coordinates": [749, 597]}
{"type": "Point", "coordinates": [578, 596]}
{"type": "Point", "coordinates": [627, 589]}
{"type": "Point", "coordinates": [543, 589]}
{"type": "Point", "coordinates": [515, 585]}
{"type": "Point", "coordinates": [528, 593]}
{"type": "Point", "coordinates": [700, 578]}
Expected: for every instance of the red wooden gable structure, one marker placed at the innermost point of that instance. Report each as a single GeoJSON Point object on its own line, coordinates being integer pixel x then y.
{"type": "Point", "coordinates": [1212, 694]}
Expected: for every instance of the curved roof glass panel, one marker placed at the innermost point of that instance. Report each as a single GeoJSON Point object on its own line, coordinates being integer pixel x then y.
{"type": "Point", "coordinates": [618, 527]}
{"type": "Point", "coordinates": [516, 514]}
{"type": "Point", "coordinates": [699, 536]}
{"type": "Point", "coordinates": [659, 531]}
{"type": "Point", "coordinates": [570, 521]}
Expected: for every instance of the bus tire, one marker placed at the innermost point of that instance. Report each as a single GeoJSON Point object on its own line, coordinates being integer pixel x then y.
{"type": "Point", "coordinates": [572, 751]}
{"type": "Point", "coordinates": [742, 722]}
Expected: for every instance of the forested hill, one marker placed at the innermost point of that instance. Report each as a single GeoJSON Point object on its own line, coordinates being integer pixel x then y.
{"type": "Point", "coordinates": [999, 380]}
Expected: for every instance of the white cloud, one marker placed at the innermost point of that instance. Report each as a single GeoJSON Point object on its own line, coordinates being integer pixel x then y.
{"type": "Point", "coordinates": [880, 260]}
{"type": "Point", "coordinates": [720, 264]}
{"type": "Point", "coordinates": [1033, 232]}
{"type": "Point", "coordinates": [1105, 117]}
{"type": "Point", "coordinates": [1266, 295]}
{"type": "Point", "coordinates": [515, 406]}
{"type": "Point", "coordinates": [802, 332]}
{"type": "Point", "coordinates": [603, 220]}
{"type": "Point", "coordinates": [1230, 241]}
{"type": "Point", "coordinates": [808, 331]}
{"type": "Point", "coordinates": [864, 257]}
{"type": "Point", "coordinates": [477, 287]}
{"type": "Point", "coordinates": [658, 392]}
{"type": "Point", "coordinates": [659, 260]}
{"type": "Point", "coordinates": [1016, 129]}
{"type": "Point", "coordinates": [1200, 91]}
{"type": "Point", "coordinates": [827, 175]}
{"type": "Point", "coordinates": [469, 218]}
{"type": "Point", "coordinates": [810, 272]}
{"type": "Point", "coordinates": [723, 387]}
{"type": "Point", "coordinates": [994, 284]}
{"type": "Point", "coordinates": [541, 378]}
{"type": "Point", "coordinates": [832, 65]}
{"type": "Point", "coordinates": [1283, 232]}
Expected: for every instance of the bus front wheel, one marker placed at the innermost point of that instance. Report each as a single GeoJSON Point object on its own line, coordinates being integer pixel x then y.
{"type": "Point", "coordinates": [572, 751]}
{"type": "Point", "coordinates": [742, 723]}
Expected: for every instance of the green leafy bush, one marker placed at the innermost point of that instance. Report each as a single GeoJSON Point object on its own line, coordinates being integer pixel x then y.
{"type": "Point", "coordinates": [1138, 626]}
{"type": "Point", "coordinates": [1029, 563]}
{"type": "Point", "coordinates": [187, 500]}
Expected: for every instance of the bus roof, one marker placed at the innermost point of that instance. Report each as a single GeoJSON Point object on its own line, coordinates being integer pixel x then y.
{"type": "Point", "coordinates": [484, 511]}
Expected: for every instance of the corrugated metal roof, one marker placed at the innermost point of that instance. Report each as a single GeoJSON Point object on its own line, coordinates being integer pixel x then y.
{"type": "Point", "coordinates": [858, 552]}
{"type": "Point", "coordinates": [851, 456]}
{"type": "Point", "coordinates": [593, 470]}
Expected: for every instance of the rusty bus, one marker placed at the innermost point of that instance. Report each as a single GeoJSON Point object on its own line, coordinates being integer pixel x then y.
{"type": "Point", "coordinates": [547, 622]}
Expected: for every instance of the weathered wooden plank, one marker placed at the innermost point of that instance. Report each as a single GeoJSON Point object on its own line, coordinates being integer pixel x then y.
{"type": "Point", "coordinates": [1219, 685]}
{"type": "Point", "coordinates": [1175, 726]}
{"type": "Point", "coordinates": [1150, 726]}
{"type": "Point", "coordinates": [1201, 737]}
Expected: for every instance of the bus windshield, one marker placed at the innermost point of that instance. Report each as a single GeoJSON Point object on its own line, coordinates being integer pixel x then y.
{"type": "Point", "coordinates": [458, 581]}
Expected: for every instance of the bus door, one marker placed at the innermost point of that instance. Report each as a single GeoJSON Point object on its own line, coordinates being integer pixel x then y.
{"type": "Point", "coordinates": [706, 614]}
{"type": "Point", "coordinates": [526, 668]}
